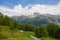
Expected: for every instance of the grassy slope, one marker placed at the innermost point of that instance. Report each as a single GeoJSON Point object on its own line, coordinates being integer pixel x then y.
{"type": "Point", "coordinates": [7, 34]}
{"type": "Point", "coordinates": [22, 36]}
{"type": "Point", "coordinates": [16, 35]}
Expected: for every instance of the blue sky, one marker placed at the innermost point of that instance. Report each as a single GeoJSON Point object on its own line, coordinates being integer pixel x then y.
{"type": "Point", "coordinates": [12, 3]}
{"type": "Point", "coordinates": [28, 7]}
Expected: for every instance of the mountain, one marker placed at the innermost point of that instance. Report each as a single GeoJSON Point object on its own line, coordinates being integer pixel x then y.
{"type": "Point", "coordinates": [37, 19]}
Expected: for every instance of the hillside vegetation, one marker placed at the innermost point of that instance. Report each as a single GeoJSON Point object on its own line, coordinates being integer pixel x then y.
{"type": "Point", "coordinates": [11, 30]}
{"type": "Point", "coordinates": [6, 33]}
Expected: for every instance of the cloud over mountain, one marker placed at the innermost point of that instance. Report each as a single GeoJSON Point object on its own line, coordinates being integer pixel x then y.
{"type": "Point", "coordinates": [30, 9]}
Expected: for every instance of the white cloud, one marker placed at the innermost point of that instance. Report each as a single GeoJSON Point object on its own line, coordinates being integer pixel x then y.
{"type": "Point", "coordinates": [30, 9]}
{"type": "Point", "coordinates": [43, 9]}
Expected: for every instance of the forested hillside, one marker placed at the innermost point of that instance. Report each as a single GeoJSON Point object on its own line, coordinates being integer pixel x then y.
{"type": "Point", "coordinates": [11, 30]}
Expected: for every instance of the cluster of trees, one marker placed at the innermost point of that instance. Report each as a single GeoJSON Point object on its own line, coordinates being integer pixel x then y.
{"type": "Point", "coordinates": [27, 27]}
{"type": "Point", "coordinates": [51, 30]}
{"type": "Point", "coordinates": [41, 31]}
{"type": "Point", "coordinates": [54, 30]}
{"type": "Point", "coordinates": [13, 24]}
{"type": "Point", "coordinates": [7, 21]}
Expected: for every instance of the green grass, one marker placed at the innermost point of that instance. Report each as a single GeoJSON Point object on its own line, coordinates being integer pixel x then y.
{"type": "Point", "coordinates": [21, 38]}
{"type": "Point", "coordinates": [7, 34]}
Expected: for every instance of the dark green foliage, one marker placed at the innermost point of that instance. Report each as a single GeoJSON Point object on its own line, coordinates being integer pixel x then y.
{"type": "Point", "coordinates": [1, 18]}
{"type": "Point", "coordinates": [54, 30]}
{"type": "Point", "coordinates": [57, 34]}
{"type": "Point", "coordinates": [13, 24]}
{"type": "Point", "coordinates": [7, 21]}
{"type": "Point", "coordinates": [41, 31]}
{"type": "Point", "coordinates": [26, 27]}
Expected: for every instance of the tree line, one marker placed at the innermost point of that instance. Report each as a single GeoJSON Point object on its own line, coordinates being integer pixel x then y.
{"type": "Point", "coordinates": [51, 30]}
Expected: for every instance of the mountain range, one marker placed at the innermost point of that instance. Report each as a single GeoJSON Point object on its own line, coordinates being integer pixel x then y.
{"type": "Point", "coordinates": [37, 19]}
